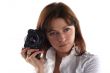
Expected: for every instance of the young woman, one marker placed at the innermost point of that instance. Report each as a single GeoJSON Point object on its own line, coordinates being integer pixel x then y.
{"type": "Point", "coordinates": [66, 47]}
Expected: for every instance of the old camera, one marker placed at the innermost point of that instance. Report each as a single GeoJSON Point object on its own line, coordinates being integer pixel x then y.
{"type": "Point", "coordinates": [35, 40]}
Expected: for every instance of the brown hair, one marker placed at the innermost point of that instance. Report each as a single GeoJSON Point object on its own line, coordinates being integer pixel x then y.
{"type": "Point", "coordinates": [60, 10]}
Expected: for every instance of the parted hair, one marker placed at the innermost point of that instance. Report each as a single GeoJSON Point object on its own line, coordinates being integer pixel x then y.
{"type": "Point", "coordinates": [61, 10]}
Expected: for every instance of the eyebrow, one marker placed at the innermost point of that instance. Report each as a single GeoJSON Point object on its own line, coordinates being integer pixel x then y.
{"type": "Point", "coordinates": [50, 29]}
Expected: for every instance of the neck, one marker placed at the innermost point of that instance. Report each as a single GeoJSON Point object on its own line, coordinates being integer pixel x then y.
{"type": "Point", "coordinates": [58, 58]}
{"type": "Point", "coordinates": [60, 54]}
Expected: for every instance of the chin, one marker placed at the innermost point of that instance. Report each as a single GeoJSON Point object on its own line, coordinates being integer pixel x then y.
{"type": "Point", "coordinates": [64, 50]}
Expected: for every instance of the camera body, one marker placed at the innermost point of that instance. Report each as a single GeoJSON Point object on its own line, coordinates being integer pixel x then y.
{"type": "Point", "coordinates": [35, 39]}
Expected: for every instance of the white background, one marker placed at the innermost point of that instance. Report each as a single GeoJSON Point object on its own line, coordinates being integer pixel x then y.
{"type": "Point", "coordinates": [17, 16]}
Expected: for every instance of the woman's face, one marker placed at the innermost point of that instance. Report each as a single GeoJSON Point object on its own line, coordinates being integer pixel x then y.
{"type": "Point", "coordinates": [61, 35]}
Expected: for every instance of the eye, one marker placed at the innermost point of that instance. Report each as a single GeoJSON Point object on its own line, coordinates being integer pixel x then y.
{"type": "Point", "coordinates": [52, 33]}
{"type": "Point", "coordinates": [67, 29]}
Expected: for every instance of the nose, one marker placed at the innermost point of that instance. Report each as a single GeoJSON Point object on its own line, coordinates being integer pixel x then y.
{"type": "Point", "coordinates": [61, 38]}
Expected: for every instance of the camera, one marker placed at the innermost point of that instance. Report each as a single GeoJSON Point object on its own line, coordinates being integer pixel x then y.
{"type": "Point", "coordinates": [35, 39]}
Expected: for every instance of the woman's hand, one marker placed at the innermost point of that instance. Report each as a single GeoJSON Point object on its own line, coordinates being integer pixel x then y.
{"type": "Point", "coordinates": [30, 56]}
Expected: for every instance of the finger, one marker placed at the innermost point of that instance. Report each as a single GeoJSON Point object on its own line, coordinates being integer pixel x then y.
{"type": "Point", "coordinates": [34, 54]}
{"type": "Point", "coordinates": [32, 57]}
{"type": "Point", "coordinates": [24, 52]}
{"type": "Point", "coordinates": [43, 60]}
{"type": "Point", "coordinates": [31, 51]}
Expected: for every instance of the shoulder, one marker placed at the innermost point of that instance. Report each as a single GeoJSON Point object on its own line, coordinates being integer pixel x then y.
{"type": "Point", "coordinates": [89, 62]}
{"type": "Point", "coordinates": [88, 57]}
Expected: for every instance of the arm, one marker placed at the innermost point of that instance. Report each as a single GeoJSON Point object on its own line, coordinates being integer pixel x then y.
{"type": "Point", "coordinates": [36, 63]}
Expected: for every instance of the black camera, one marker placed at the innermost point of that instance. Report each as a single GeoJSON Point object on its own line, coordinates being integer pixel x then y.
{"type": "Point", "coordinates": [35, 39]}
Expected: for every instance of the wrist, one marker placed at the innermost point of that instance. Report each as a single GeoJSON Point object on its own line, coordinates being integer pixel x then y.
{"type": "Point", "coordinates": [39, 69]}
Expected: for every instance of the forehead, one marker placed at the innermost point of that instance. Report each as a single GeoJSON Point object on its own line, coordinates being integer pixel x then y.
{"type": "Point", "coordinates": [58, 23]}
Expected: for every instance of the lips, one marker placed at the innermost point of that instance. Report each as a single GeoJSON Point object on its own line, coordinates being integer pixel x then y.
{"type": "Point", "coordinates": [63, 45]}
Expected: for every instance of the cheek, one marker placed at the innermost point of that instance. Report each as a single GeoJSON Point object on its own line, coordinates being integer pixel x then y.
{"type": "Point", "coordinates": [52, 41]}
{"type": "Point", "coordinates": [71, 36]}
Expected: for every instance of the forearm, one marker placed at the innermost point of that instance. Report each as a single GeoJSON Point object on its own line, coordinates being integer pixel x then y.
{"type": "Point", "coordinates": [39, 70]}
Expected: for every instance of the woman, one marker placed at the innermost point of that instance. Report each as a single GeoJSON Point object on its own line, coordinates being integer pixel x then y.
{"type": "Point", "coordinates": [66, 47]}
